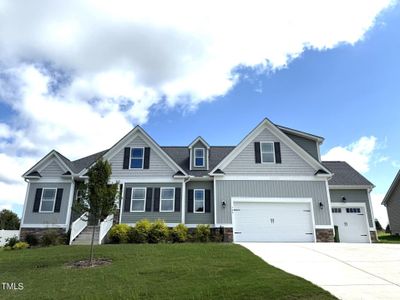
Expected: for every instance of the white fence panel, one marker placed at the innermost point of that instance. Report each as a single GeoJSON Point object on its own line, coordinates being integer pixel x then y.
{"type": "Point", "coordinates": [5, 234]}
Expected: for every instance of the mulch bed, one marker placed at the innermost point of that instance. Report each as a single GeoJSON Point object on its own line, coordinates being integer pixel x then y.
{"type": "Point", "coordinates": [82, 264]}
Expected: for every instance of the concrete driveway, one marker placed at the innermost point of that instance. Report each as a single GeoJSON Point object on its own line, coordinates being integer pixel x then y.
{"type": "Point", "coordinates": [348, 271]}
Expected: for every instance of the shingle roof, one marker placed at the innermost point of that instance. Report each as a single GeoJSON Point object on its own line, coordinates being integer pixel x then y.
{"type": "Point", "coordinates": [344, 174]}
{"type": "Point", "coordinates": [181, 156]}
{"type": "Point", "coordinates": [85, 162]}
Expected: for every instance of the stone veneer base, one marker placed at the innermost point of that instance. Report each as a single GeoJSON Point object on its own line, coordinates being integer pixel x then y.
{"type": "Point", "coordinates": [38, 232]}
{"type": "Point", "coordinates": [325, 235]}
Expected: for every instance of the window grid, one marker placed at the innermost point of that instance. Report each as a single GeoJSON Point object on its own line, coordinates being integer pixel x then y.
{"type": "Point", "coordinates": [48, 200]}
{"type": "Point", "coordinates": [353, 210]}
{"type": "Point", "coordinates": [336, 210]}
{"type": "Point", "coordinates": [267, 150]}
{"type": "Point", "coordinates": [138, 199]}
{"type": "Point", "coordinates": [199, 157]}
{"type": "Point", "coordinates": [167, 199]}
{"type": "Point", "coordinates": [137, 158]}
{"type": "Point", "coordinates": [199, 201]}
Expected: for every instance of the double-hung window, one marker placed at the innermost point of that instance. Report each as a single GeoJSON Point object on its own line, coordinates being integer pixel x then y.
{"type": "Point", "coordinates": [167, 199]}
{"type": "Point", "coordinates": [199, 201]}
{"type": "Point", "coordinates": [199, 157]}
{"type": "Point", "coordinates": [137, 158]}
{"type": "Point", "coordinates": [48, 200]}
{"type": "Point", "coordinates": [267, 152]}
{"type": "Point", "coordinates": [138, 199]}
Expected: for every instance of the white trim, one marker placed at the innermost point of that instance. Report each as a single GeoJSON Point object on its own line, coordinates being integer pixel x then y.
{"type": "Point", "coordinates": [70, 201]}
{"type": "Point", "coordinates": [144, 199]}
{"type": "Point", "coordinates": [349, 187]}
{"type": "Point", "coordinates": [25, 204]}
{"type": "Point", "coordinates": [130, 158]}
{"type": "Point", "coordinates": [324, 227]}
{"type": "Point", "coordinates": [50, 180]}
{"type": "Point", "coordinates": [215, 201]}
{"type": "Point", "coordinates": [318, 150]}
{"type": "Point", "coordinates": [392, 187]}
{"type": "Point", "coordinates": [41, 201]}
{"type": "Point", "coordinates": [183, 202]}
{"type": "Point", "coordinates": [194, 201]}
{"type": "Point", "coordinates": [227, 225]}
{"type": "Point", "coordinates": [122, 202]}
{"type": "Point", "coordinates": [199, 138]}
{"type": "Point", "coordinates": [329, 202]}
{"type": "Point", "coordinates": [44, 159]}
{"type": "Point", "coordinates": [371, 210]}
{"type": "Point", "coordinates": [273, 153]}
{"type": "Point", "coordinates": [146, 180]}
{"type": "Point", "coordinates": [270, 178]}
{"type": "Point", "coordinates": [276, 200]}
{"type": "Point", "coordinates": [44, 225]}
{"type": "Point", "coordinates": [161, 199]}
{"type": "Point", "coordinates": [356, 204]}
{"type": "Point", "coordinates": [190, 159]}
{"type": "Point", "coordinates": [301, 134]}
{"type": "Point", "coordinates": [203, 157]}
{"type": "Point", "coordinates": [279, 134]}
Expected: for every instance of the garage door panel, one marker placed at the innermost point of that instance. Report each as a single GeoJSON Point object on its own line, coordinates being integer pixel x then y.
{"type": "Point", "coordinates": [352, 224]}
{"type": "Point", "coordinates": [273, 222]}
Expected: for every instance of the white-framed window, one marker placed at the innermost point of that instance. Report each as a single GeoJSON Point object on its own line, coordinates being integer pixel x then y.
{"type": "Point", "coordinates": [48, 200]}
{"type": "Point", "coordinates": [199, 154]}
{"type": "Point", "coordinates": [199, 201]}
{"type": "Point", "coordinates": [336, 210]}
{"type": "Point", "coordinates": [138, 199]}
{"type": "Point", "coordinates": [137, 158]}
{"type": "Point", "coordinates": [267, 151]}
{"type": "Point", "coordinates": [353, 210]}
{"type": "Point", "coordinates": [167, 199]}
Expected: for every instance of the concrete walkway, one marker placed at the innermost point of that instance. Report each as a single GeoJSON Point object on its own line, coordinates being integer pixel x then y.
{"type": "Point", "coordinates": [348, 271]}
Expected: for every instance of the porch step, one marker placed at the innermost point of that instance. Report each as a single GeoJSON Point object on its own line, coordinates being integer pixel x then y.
{"type": "Point", "coordinates": [85, 237]}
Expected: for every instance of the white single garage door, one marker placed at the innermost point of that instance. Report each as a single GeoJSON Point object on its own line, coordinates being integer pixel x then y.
{"type": "Point", "coordinates": [352, 223]}
{"type": "Point", "coordinates": [272, 222]}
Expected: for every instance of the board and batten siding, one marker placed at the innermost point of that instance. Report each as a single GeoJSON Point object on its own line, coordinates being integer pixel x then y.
{"type": "Point", "coordinates": [47, 218]}
{"type": "Point", "coordinates": [310, 146]}
{"type": "Point", "coordinates": [393, 210]}
{"type": "Point", "coordinates": [200, 218]}
{"type": "Point", "coordinates": [357, 196]}
{"type": "Point", "coordinates": [292, 164]}
{"type": "Point", "coordinates": [53, 169]}
{"type": "Point", "coordinates": [226, 189]}
{"type": "Point", "coordinates": [168, 217]}
{"type": "Point", "coordinates": [158, 167]}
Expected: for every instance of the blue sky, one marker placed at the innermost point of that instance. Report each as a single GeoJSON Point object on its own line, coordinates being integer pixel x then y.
{"type": "Point", "coordinates": [334, 73]}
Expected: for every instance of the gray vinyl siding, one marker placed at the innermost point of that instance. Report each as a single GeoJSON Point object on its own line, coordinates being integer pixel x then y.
{"type": "Point", "coordinates": [357, 196]}
{"type": "Point", "coordinates": [199, 144]}
{"type": "Point", "coordinates": [168, 217]}
{"type": "Point", "coordinates": [47, 218]}
{"type": "Point", "coordinates": [205, 218]}
{"type": "Point", "coordinates": [292, 164]}
{"type": "Point", "coordinates": [158, 167]}
{"type": "Point", "coordinates": [52, 170]}
{"type": "Point", "coordinates": [310, 146]}
{"type": "Point", "coordinates": [393, 210]}
{"type": "Point", "coordinates": [226, 189]}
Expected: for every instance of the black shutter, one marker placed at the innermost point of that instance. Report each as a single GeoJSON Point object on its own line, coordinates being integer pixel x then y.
{"type": "Point", "coordinates": [190, 200]}
{"type": "Point", "coordinates": [156, 206]}
{"type": "Point", "coordinates": [127, 200]}
{"type": "Point", "coordinates": [149, 198]}
{"type": "Point", "coordinates": [38, 196]}
{"type": "Point", "coordinates": [257, 152]}
{"type": "Point", "coordinates": [277, 147]}
{"type": "Point", "coordinates": [59, 195]}
{"type": "Point", "coordinates": [208, 201]}
{"type": "Point", "coordinates": [178, 199]}
{"type": "Point", "coordinates": [127, 155]}
{"type": "Point", "coordinates": [146, 163]}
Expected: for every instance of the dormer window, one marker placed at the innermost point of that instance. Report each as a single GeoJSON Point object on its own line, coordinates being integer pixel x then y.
{"type": "Point", "coordinates": [137, 158]}
{"type": "Point", "coordinates": [199, 157]}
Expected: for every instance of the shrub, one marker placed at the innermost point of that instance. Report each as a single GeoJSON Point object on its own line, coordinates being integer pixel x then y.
{"type": "Point", "coordinates": [119, 233]}
{"type": "Point", "coordinates": [179, 233]}
{"type": "Point", "coordinates": [10, 242]}
{"type": "Point", "coordinates": [32, 239]}
{"type": "Point", "coordinates": [140, 233]}
{"type": "Point", "coordinates": [20, 246]}
{"type": "Point", "coordinates": [217, 235]}
{"type": "Point", "coordinates": [158, 232]}
{"type": "Point", "coordinates": [50, 238]}
{"type": "Point", "coordinates": [202, 233]}
{"type": "Point", "coordinates": [387, 230]}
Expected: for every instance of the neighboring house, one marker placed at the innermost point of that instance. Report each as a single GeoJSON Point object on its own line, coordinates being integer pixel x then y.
{"type": "Point", "coordinates": [392, 203]}
{"type": "Point", "coordinates": [271, 187]}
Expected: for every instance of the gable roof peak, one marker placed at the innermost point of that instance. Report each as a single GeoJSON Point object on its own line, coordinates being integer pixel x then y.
{"type": "Point", "coordinates": [199, 138]}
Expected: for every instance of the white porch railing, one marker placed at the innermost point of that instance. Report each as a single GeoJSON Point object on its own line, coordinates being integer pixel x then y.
{"type": "Point", "coordinates": [105, 226]}
{"type": "Point", "coordinates": [77, 226]}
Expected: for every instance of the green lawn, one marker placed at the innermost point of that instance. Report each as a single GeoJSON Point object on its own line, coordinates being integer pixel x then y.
{"type": "Point", "coordinates": [164, 271]}
{"type": "Point", "coordinates": [386, 238]}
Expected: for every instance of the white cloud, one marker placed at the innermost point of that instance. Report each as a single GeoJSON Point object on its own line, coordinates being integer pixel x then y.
{"type": "Point", "coordinates": [380, 212]}
{"type": "Point", "coordinates": [69, 69]}
{"type": "Point", "coordinates": [357, 154]}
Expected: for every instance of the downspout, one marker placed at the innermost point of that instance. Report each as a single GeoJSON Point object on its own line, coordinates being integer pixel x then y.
{"type": "Point", "coordinates": [184, 200]}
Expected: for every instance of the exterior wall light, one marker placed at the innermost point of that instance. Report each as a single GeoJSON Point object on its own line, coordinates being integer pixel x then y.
{"type": "Point", "coordinates": [223, 204]}
{"type": "Point", "coordinates": [321, 205]}
{"type": "Point", "coordinates": [343, 198]}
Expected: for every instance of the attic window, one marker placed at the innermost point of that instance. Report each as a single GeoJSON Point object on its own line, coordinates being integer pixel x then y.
{"type": "Point", "coordinates": [267, 152]}
{"type": "Point", "coordinates": [199, 157]}
{"type": "Point", "coordinates": [137, 158]}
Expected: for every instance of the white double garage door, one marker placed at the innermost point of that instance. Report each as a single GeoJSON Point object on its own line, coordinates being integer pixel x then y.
{"type": "Point", "coordinates": [290, 220]}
